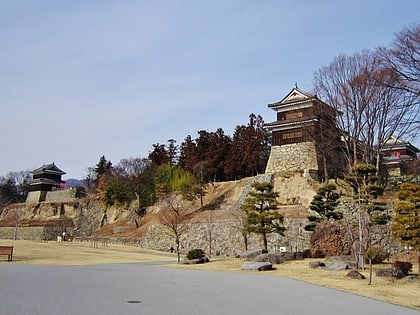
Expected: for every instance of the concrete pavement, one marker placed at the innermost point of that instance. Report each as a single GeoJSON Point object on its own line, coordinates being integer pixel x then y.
{"type": "Point", "coordinates": [154, 289]}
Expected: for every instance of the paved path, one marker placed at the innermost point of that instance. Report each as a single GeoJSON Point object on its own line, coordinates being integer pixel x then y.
{"type": "Point", "coordinates": [152, 289]}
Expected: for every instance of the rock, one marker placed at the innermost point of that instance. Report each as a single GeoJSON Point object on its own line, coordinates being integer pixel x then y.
{"type": "Point", "coordinates": [355, 275]}
{"type": "Point", "coordinates": [251, 254]}
{"type": "Point", "coordinates": [269, 257]}
{"type": "Point", "coordinates": [344, 258]}
{"type": "Point", "coordinates": [329, 239]}
{"type": "Point", "coordinates": [196, 261]}
{"type": "Point", "coordinates": [316, 264]}
{"type": "Point", "coordinates": [257, 266]}
{"type": "Point", "coordinates": [337, 266]}
{"type": "Point", "coordinates": [384, 273]}
{"type": "Point", "coordinates": [389, 273]}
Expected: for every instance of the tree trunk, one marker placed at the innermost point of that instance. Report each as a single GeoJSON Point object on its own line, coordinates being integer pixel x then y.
{"type": "Point", "coordinates": [177, 251]}
{"type": "Point", "coordinates": [15, 231]}
{"type": "Point", "coordinates": [325, 169]}
{"type": "Point", "coordinates": [418, 260]}
{"type": "Point", "coordinates": [370, 271]}
{"type": "Point", "coordinates": [265, 241]}
{"type": "Point", "coordinates": [245, 241]}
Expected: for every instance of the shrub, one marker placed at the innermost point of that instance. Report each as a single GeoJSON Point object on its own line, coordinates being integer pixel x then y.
{"type": "Point", "coordinates": [403, 266]}
{"type": "Point", "coordinates": [195, 254]}
{"type": "Point", "coordinates": [377, 254]}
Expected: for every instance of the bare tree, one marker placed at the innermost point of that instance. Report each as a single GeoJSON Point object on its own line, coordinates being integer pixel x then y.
{"type": "Point", "coordinates": [372, 102]}
{"type": "Point", "coordinates": [173, 217]}
{"type": "Point", "coordinates": [341, 84]}
{"type": "Point", "coordinates": [137, 173]}
{"type": "Point", "coordinates": [210, 223]}
{"type": "Point", "coordinates": [14, 188]}
{"type": "Point", "coordinates": [17, 215]}
{"type": "Point", "coordinates": [239, 224]}
{"type": "Point", "coordinates": [390, 114]}
{"type": "Point", "coordinates": [400, 63]}
{"type": "Point", "coordinates": [402, 57]}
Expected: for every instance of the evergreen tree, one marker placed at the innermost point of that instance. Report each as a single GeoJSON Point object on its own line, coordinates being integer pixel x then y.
{"type": "Point", "coordinates": [370, 212]}
{"type": "Point", "coordinates": [249, 150]}
{"type": "Point", "coordinates": [261, 214]}
{"type": "Point", "coordinates": [159, 155]}
{"type": "Point", "coordinates": [406, 220]}
{"type": "Point", "coordinates": [323, 206]}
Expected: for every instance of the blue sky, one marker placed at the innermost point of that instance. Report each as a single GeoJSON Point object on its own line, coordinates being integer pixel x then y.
{"type": "Point", "coordinates": [80, 79]}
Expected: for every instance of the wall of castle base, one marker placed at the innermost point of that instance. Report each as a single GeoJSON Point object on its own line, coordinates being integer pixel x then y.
{"type": "Point", "coordinates": [226, 238]}
{"type": "Point", "coordinates": [297, 157]}
{"type": "Point", "coordinates": [33, 233]}
{"type": "Point", "coordinates": [66, 195]}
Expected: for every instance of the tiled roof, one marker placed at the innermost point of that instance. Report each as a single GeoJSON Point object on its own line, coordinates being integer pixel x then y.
{"type": "Point", "coordinates": [48, 169]}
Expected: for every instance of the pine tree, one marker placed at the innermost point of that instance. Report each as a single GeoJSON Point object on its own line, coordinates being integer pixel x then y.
{"type": "Point", "coordinates": [406, 221]}
{"type": "Point", "coordinates": [323, 206]}
{"type": "Point", "coordinates": [260, 207]}
{"type": "Point", "coordinates": [370, 212]}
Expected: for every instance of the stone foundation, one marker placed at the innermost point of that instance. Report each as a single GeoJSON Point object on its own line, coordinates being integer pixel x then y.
{"type": "Point", "coordinates": [226, 239]}
{"type": "Point", "coordinates": [22, 233]}
{"type": "Point", "coordinates": [290, 158]}
{"type": "Point", "coordinates": [65, 195]}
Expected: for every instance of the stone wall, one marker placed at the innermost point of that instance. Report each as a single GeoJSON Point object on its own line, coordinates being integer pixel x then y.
{"type": "Point", "coordinates": [288, 158]}
{"type": "Point", "coordinates": [226, 238]}
{"type": "Point", "coordinates": [23, 233]}
{"type": "Point", "coordinates": [65, 195]}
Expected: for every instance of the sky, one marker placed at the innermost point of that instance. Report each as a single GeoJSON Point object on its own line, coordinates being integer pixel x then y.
{"type": "Point", "coordinates": [81, 79]}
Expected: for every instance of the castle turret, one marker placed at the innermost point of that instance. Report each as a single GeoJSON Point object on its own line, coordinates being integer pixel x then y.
{"type": "Point", "coordinates": [304, 136]}
{"type": "Point", "coordinates": [45, 178]}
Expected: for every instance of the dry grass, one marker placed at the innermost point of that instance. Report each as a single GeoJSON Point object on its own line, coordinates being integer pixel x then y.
{"type": "Point", "coordinates": [403, 292]}
{"type": "Point", "coordinates": [78, 253]}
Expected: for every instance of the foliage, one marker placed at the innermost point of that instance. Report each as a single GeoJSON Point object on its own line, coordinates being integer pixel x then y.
{"type": "Point", "coordinates": [160, 155]}
{"type": "Point", "coordinates": [361, 176]}
{"type": "Point", "coordinates": [215, 156]}
{"type": "Point", "coordinates": [14, 188]}
{"type": "Point", "coordinates": [323, 206]}
{"type": "Point", "coordinates": [118, 192]}
{"type": "Point", "coordinates": [103, 173]}
{"type": "Point", "coordinates": [403, 266]}
{"type": "Point", "coordinates": [261, 214]}
{"type": "Point", "coordinates": [102, 167]}
{"type": "Point", "coordinates": [196, 253]}
{"type": "Point", "coordinates": [370, 213]}
{"type": "Point", "coordinates": [376, 254]}
{"type": "Point", "coordinates": [250, 149]}
{"type": "Point", "coordinates": [172, 178]}
{"type": "Point", "coordinates": [406, 220]}
{"type": "Point", "coordinates": [137, 173]}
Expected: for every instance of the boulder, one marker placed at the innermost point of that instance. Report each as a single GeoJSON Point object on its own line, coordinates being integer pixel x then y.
{"type": "Point", "coordinates": [355, 275]}
{"type": "Point", "coordinates": [389, 273]}
{"type": "Point", "coordinates": [269, 257]}
{"type": "Point", "coordinates": [337, 266]}
{"type": "Point", "coordinates": [316, 264]}
{"type": "Point", "coordinates": [251, 254]}
{"type": "Point", "coordinates": [257, 266]}
{"type": "Point", "coordinates": [330, 239]}
{"type": "Point", "coordinates": [196, 261]}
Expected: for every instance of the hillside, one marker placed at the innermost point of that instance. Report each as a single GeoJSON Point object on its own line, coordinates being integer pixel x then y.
{"type": "Point", "coordinates": [221, 210]}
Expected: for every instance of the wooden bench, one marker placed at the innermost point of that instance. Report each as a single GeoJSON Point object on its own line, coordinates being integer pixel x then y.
{"type": "Point", "coordinates": [7, 250]}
